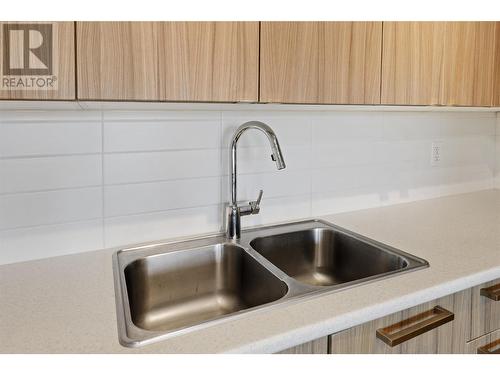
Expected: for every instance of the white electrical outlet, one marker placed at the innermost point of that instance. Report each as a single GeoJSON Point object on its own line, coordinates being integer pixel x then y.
{"type": "Point", "coordinates": [436, 153]}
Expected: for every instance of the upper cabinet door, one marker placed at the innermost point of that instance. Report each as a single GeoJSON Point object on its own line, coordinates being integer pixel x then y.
{"type": "Point", "coordinates": [444, 63]}
{"type": "Point", "coordinates": [412, 68]}
{"type": "Point", "coordinates": [37, 60]}
{"type": "Point", "coordinates": [320, 62]}
{"type": "Point", "coordinates": [168, 61]}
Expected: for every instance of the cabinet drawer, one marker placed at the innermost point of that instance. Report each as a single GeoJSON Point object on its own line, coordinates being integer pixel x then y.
{"type": "Point", "coordinates": [489, 344]}
{"type": "Point", "coordinates": [426, 328]}
{"type": "Point", "coordinates": [485, 309]}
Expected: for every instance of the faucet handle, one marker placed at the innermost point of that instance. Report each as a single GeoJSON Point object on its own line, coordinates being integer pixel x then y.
{"type": "Point", "coordinates": [255, 205]}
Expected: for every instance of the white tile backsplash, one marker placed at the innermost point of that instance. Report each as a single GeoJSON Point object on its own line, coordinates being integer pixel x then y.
{"type": "Point", "coordinates": [45, 173]}
{"type": "Point", "coordinates": [50, 207]}
{"type": "Point", "coordinates": [159, 225]}
{"type": "Point", "coordinates": [292, 130]}
{"type": "Point", "coordinates": [164, 165]}
{"type": "Point", "coordinates": [280, 209]}
{"type": "Point", "coordinates": [275, 184]}
{"type": "Point", "coordinates": [347, 126]}
{"type": "Point", "coordinates": [50, 240]}
{"type": "Point", "coordinates": [78, 180]}
{"type": "Point", "coordinates": [49, 138]}
{"type": "Point", "coordinates": [160, 196]}
{"type": "Point", "coordinates": [123, 136]}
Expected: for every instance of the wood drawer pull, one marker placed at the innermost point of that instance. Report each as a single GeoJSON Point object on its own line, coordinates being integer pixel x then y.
{"type": "Point", "coordinates": [491, 348]}
{"type": "Point", "coordinates": [492, 292]}
{"type": "Point", "coordinates": [416, 325]}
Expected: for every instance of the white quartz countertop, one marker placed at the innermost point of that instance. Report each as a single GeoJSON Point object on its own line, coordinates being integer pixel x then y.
{"type": "Point", "coordinates": [67, 305]}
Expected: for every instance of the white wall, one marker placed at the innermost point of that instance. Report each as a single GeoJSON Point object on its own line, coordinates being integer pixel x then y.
{"type": "Point", "coordinates": [73, 181]}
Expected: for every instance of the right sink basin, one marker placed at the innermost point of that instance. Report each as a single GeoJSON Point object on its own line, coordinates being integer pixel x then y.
{"type": "Point", "coordinates": [324, 256]}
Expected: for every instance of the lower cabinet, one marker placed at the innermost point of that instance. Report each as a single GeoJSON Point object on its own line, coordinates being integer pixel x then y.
{"type": "Point", "coordinates": [440, 326]}
{"type": "Point", "coordinates": [465, 322]}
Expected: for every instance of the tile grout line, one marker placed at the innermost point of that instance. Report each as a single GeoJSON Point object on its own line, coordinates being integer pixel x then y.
{"type": "Point", "coordinates": [146, 182]}
{"type": "Point", "coordinates": [48, 156]}
{"type": "Point", "coordinates": [54, 224]}
{"type": "Point", "coordinates": [96, 219]}
{"type": "Point", "coordinates": [311, 132]}
{"type": "Point", "coordinates": [223, 173]}
{"type": "Point", "coordinates": [103, 210]}
{"type": "Point", "coordinates": [53, 190]}
{"type": "Point", "coordinates": [496, 156]}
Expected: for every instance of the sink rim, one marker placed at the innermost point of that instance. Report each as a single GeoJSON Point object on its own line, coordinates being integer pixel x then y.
{"type": "Point", "coordinates": [130, 335]}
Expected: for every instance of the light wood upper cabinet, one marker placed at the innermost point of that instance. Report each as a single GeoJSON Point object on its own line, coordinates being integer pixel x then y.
{"type": "Point", "coordinates": [117, 60]}
{"type": "Point", "coordinates": [168, 61]}
{"type": "Point", "coordinates": [412, 66]}
{"type": "Point", "coordinates": [442, 63]}
{"type": "Point", "coordinates": [469, 56]}
{"type": "Point", "coordinates": [48, 47]}
{"type": "Point", "coordinates": [320, 62]}
{"type": "Point", "coordinates": [392, 63]}
{"type": "Point", "coordinates": [496, 85]}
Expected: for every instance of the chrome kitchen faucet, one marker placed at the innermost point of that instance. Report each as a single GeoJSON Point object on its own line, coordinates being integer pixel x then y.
{"type": "Point", "coordinates": [234, 212]}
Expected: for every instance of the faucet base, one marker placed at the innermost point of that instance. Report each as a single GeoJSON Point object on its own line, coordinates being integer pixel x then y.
{"type": "Point", "coordinates": [233, 222]}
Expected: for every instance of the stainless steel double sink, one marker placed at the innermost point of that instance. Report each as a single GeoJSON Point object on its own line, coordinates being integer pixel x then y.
{"type": "Point", "coordinates": [170, 288]}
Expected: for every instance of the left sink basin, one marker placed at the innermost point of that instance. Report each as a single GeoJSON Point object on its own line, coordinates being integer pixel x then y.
{"type": "Point", "coordinates": [170, 291]}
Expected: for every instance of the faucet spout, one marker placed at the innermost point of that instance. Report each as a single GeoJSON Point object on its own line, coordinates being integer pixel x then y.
{"type": "Point", "coordinates": [234, 212]}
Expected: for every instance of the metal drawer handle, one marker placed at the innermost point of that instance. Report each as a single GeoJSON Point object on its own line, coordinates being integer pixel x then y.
{"type": "Point", "coordinates": [492, 292]}
{"type": "Point", "coordinates": [416, 325]}
{"type": "Point", "coordinates": [491, 348]}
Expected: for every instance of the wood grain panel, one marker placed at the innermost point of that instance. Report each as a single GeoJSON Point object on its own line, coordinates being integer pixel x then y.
{"type": "Point", "coordinates": [209, 61]}
{"type": "Point", "coordinates": [468, 63]}
{"type": "Point", "coordinates": [472, 346]}
{"type": "Point", "coordinates": [361, 339]}
{"type": "Point", "coordinates": [168, 61]}
{"type": "Point", "coordinates": [319, 346]}
{"type": "Point", "coordinates": [117, 61]}
{"type": "Point", "coordinates": [448, 338]}
{"type": "Point", "coordinates": [496, 86]}
{"type": "Point", "coordinates": [438, 63]}
{"type": "Point", "coordinates": [485, 312]}
{"type": "Point", "coordinates": [320, 62]}
{"type": "Point", "coordinates": [63, 65]}
{"type": "Point", "coordinates": [412, 63]}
